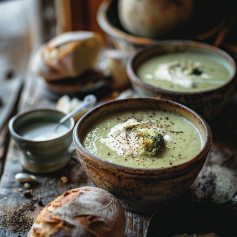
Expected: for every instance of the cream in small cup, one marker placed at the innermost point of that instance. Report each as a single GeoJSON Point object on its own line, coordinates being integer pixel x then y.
{"type": "Point", "coordinates": [44, 145]}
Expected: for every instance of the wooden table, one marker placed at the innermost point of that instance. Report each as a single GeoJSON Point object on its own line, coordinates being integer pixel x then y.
{"type": "Point", "coordinates": [19, 206]}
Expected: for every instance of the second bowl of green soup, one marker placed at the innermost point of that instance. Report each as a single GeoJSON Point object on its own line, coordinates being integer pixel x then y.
{"type": "Point", "coordinates": [197, 75]}
{"type": "Point", "coordinates": [143, 150]}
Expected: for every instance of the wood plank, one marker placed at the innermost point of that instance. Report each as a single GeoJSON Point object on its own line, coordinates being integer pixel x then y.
{"type": "Point", "coordinates": [43, 191]}
{"type": "Point", "coordinates": [47, 187]}
{"type": "Point", "coordinates": [217, 181]}
{"type": "Point", "coordinates": [4, 140]}
{"type": "Point", "coordinates": [14, 52]}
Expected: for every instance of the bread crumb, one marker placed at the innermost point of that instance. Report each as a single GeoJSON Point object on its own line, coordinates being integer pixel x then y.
{"type": "Point", "coordinates": [26, 185]}
{"type": "Point", "coordinates": [64, 179]}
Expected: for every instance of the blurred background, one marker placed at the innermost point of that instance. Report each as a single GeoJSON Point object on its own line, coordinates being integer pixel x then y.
{"type": "Point", "coordinates": [27, 24]}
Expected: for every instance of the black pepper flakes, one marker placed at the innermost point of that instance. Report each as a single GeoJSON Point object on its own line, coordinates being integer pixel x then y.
{"type": "Point", "coordinates": [40, 203]}
{"type": "Point", "coordinates": [28, 194]}
{"type": "Point", "coordinates": [18, 220]}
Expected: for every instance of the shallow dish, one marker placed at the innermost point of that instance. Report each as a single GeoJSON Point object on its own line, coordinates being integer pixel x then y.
{"type": "Point", "coordinates": [207, 102]}
{"type": "Point", "coordinates": [90, 82]}
{"type": "Point", "coordinates": [140, 189]}
{"type": "Point", "coordinates": [42, 153]}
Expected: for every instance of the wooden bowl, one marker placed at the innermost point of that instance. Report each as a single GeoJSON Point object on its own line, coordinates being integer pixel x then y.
{"type": "Point", "coordinates": [108, 20]}
{"type": "Point", "coordinates": [141, 190]}
{"type": "Point", "coordinates": [200, 26]}
{"type": "Point", "coordinates": [207, 103]}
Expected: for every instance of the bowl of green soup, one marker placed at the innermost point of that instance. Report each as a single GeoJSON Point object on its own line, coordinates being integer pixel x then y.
{"type": "Point", "coordinates": [143, 150]}
{"type": "Point", "coordinates": [197, 75]}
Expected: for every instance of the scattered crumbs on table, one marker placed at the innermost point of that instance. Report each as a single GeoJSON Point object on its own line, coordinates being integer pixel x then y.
{"type": "Point", "coordinates": [17, 220]}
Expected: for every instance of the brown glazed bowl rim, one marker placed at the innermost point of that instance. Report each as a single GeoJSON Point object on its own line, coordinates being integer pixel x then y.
{"type": "Point", "coordinates": [143, 41]}
{"type": "Point", "coordinates": [116, 32]}
{"type": "Point", "coordinates": [134, 78]}
{"type": "Point", "coordinates": [202, 154]}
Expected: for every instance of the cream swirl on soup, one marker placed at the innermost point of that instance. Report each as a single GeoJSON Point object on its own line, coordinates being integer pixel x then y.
{"type": "Point", "coordinates": [144, 139]}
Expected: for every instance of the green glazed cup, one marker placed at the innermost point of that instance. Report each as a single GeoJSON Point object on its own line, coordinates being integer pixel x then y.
{"type": "Point", "coordinates": [42, 156]}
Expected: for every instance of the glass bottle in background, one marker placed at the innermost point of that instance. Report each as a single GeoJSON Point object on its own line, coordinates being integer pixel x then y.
{"type": "Point", "coordinates": [74, 15]}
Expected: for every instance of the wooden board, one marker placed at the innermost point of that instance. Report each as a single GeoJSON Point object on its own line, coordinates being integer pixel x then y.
{"type": "Point", "coordinates": [217, 181]}
{"type": "Point", "coordinates": [13, 198]}
{"type": "Point", "coordinates": [14, 53]}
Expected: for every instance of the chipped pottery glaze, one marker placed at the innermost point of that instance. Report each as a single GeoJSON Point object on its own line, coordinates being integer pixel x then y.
{"type": "Point", "coordinates": [141, 190]}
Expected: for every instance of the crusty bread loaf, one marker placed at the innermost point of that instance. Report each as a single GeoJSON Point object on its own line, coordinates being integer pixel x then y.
{"type": "Point", "coordinates": [86, 211]}
{"type": "Point", "coordinates": [67, 55]}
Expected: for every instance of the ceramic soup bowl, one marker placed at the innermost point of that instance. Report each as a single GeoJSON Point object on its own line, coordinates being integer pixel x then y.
{"type": "Point", "coordinates": [173, 65]}
{"type": "Point", "coordinates": [44, 147]}
{"type": "Point", "coordinates": [199, 27]}
{"type": "Point", "coordinates": [140, 189]}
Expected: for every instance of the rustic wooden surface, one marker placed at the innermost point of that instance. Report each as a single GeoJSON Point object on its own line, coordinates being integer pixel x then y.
{"type": "Point", "coordinates": [47, 187]}
{"type": "Point", "coordinates": [217, 180]}
{"type": "Point", "coordinates": [19, 206]}
{"type": "Point", "coordinates": [14, 53]}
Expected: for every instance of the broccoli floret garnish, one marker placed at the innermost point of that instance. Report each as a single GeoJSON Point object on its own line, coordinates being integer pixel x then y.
{"type": "Point", "coordinates": [152, 145]}
{"type": "Point", "coordinates": [196, 72]}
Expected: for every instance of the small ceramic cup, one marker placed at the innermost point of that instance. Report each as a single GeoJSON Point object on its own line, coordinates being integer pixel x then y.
{"type": "Point", "coordinates": [46, 155]}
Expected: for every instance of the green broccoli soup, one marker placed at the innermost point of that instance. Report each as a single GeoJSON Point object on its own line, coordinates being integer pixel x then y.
{"type": "Point", "coordinates": [144, 139]}
{"type": "Point", "coordinates": [186, 71]}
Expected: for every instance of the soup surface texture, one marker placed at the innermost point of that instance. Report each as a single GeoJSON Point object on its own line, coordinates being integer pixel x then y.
{"type": "Point", "coordinates": [144, 139]}
{"type": "Point", "coordinates": [185, 71]}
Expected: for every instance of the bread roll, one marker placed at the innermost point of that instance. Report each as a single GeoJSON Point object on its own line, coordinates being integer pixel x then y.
{"type": "Point", "coordinates": [86, 211]}
{"type": "Point", "coordinates": [67, 55]}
